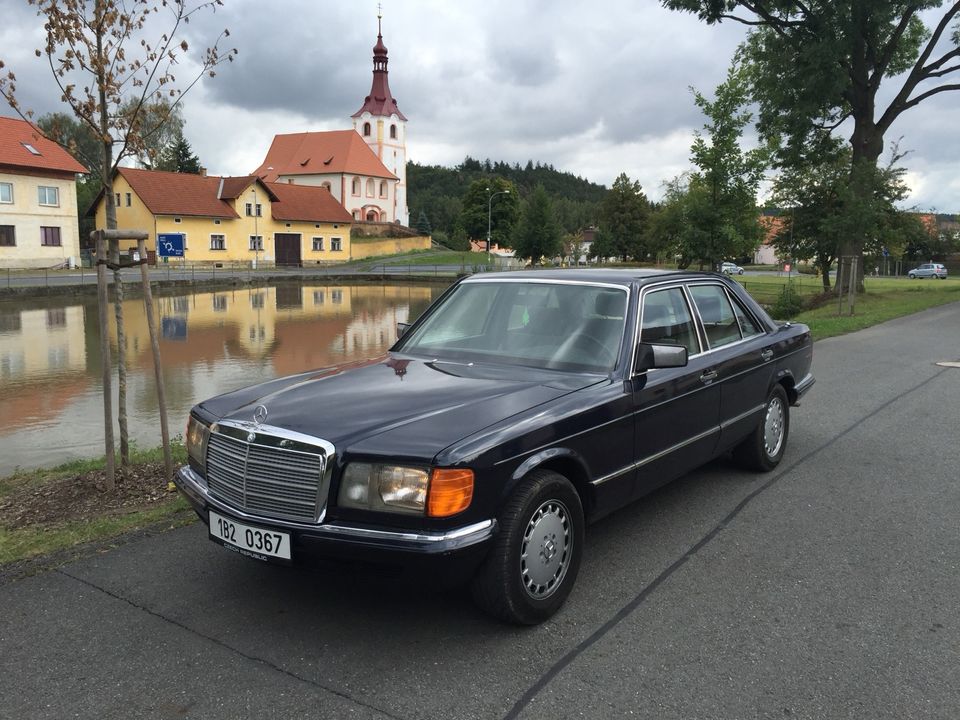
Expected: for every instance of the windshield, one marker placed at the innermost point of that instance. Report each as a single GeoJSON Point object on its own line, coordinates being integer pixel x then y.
{"type": "Point", "coordinates": [559, 326]}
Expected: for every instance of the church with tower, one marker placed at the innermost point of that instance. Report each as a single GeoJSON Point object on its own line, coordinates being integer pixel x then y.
{"type": "Point", "coordinates": [365, 169]}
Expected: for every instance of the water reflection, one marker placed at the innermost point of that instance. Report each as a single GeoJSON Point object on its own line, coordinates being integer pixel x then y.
{"type": "Point", "coordinates": [211, 342]}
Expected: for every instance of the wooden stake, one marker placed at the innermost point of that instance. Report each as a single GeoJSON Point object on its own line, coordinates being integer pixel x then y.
{"type": "Point", "coordinates": [105, 361]}
{"type": "Point", "coordinates": [157, 364]}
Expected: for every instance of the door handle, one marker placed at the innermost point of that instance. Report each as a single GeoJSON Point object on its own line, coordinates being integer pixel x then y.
{"type": "Point", "coordinates": [767, 355]}
{"type": "Point", "coordinates": [708, 376]}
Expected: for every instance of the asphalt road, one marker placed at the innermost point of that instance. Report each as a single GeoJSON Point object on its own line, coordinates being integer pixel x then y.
{"type": "Point", "coordinates": [827, 589]}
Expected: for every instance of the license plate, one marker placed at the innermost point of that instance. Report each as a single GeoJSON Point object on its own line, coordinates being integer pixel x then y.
{"type": "Point", "coordinates": [255, 542]}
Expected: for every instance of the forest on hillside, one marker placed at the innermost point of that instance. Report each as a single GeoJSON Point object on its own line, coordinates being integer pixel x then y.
{"type": "Point", "coordinates": [435, 194]}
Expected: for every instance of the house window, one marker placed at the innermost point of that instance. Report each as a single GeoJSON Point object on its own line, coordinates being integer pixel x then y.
{"type": "Point", "coordinates": [256, 242]}
{"type": "Point", "coordinates": [218, 242]}
{"type": "Point", "coordinates": [335, 244]}
{"type": "Point", "coordinates": [129, 199]}
{"type": "Point", "coordinates": [216, 222]}
{"type": "Point", "coordinates": [256, 301]}
{"type": "Point", "coordinates": [383, 188]}
{"type": "Point", "coordinates": [393, 132]}
{"type": "Point", "coordinates": [49, 196]}
{"type": "Point", "coordinates": [370, 186]}
{"type": "Point", "coordinates": [7, 236]}
{"type": "Point", "coordinates": [116, 199]}
{"type": "Point", "coordinates": [249, 207]}
{"type": "Point", "coordinates": [50, 236]}
{"type": "Point", "coordinates": [259, 210]}
{"type": "Point", "coordinates": [366, 129]}
{"type": "Point", "coordinates": [30, 148]}
{"type": "Point", "coordinates": [56, 317]}
{"type": "Point", "coordinates": [318, 244]}
{"type": "Point", "coordinates": [317, 297]}
{"type": "Point", "coordinates": [336, 296]}
{"type": "Point", "coordinates": [176, 220]}
{"type": "Point", "coordinates": [355, 186]}
{"type": "Point", "coordinates": [6, 192]}
{"type": "Point", "coordinates": [219, 303]}
{"type": "Point", "coordinates": [356, 214]}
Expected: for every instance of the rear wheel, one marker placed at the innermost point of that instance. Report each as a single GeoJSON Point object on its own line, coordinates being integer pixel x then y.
{"type": "Point", "coordinates": [763, 449]}
{"type": "Point", "coordinates": [535, 558]}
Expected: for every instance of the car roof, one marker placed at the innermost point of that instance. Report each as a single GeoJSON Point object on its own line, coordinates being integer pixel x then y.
{"type": "Point", "coordinates": [626, 276]}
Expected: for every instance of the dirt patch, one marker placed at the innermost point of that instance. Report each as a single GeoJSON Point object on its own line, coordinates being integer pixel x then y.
{"type": "Point", "coordinates": [78, 497]}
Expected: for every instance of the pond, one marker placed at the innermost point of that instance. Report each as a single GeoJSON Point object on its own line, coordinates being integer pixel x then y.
{"type": "Point", "coordinates": [51, 404]}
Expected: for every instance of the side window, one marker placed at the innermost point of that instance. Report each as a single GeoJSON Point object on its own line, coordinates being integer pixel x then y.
{"type": "Point", "coordinates": [748, 326]}
{"type": "Point", "coordinates": [667, 320]}
{"type": "Point", "coordinates": [719, 322]}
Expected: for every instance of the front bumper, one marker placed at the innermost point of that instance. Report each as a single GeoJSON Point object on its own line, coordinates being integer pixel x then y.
{"type": "Point", "coordinates": [338, 539]}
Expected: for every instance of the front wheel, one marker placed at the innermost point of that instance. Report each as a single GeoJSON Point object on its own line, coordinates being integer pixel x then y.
{"type": "Point", "coordinates": [911, 276]}
{"type": "Point", "coordinates": [535, 558]}
{"type": "Point", "coordinates": [763, 449]}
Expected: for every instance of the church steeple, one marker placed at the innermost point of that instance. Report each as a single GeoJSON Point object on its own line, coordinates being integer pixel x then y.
{"type": "Point", "coordinates": [380, 102]}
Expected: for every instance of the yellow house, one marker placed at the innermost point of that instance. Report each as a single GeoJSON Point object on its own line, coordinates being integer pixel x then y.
{"type": "Point", "coordinates": [38, 199]}
{"type": "Point", "coordinates": [231, 219]}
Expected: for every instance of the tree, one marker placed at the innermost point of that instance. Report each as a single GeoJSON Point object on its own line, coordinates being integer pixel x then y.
{"type": "Point", "coordinates": [537, 234]}
{"type": "Point", "coordinates": [423, 224]}
{"type": "Point", "coordinates": [823, 209]}
{"type": "Point", "coordinates": [112, 89]}
{"type": "Point", "coordinates": [624, 213]}
{"type": "Point", "coordinates": [178, 157]}
{"type": "Point", "coordinates": [722, 193]}
{"type": "Point", "coordinates": [161, 126]}
{"type": "Point", "coordinates": [500, 215]}
{"type": "Point", "coordinates": [817, 64]}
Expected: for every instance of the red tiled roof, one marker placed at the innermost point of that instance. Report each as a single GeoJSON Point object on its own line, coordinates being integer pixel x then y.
{"type": "Point", "coordinates": [772, 226]}
{"type": "Point", "coordinates": [316, 153]}
{"type": "Point", "coordinates": [167, 193]}
{"type": "Point", "coordinates": [306, 203]}
{"type": "Point", "coordinates": [233, 187]}
{"type": "Point", "coordinates": [16, 134]}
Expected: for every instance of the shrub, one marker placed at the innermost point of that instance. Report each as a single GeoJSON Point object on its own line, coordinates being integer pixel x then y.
{"type": "Point", "coordinates": [788, 304]}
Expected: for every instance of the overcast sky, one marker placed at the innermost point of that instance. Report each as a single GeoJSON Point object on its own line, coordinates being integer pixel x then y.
{"type": "Point", "coordinates": [595, 89]}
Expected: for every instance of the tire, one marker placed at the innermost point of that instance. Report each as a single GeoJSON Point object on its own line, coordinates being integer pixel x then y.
{"type": "Point", "coordinates": [739, 272]}
{"type": "Point", "coordinates": [763, 449]}
{"type": "Point", "coordinates": [911, 276]}
{"type": "Point", "coordinates": [535, 557]}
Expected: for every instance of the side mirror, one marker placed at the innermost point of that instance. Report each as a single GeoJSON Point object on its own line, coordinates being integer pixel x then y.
{"type": "Point", "coordinates": [401, 329]}
{"type": "Point", "coordinates": [651, 357]}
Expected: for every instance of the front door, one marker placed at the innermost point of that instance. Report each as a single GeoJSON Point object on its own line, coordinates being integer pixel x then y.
{"type": "Point", "coordinates": [677, 410]}
{"type": "Point", "coordinates": [287, 246]}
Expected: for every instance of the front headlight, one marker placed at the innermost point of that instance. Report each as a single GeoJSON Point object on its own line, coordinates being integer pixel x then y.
{"type": "Point", "coordinates": [415, 491]}
{"type": "Point", "coordinates": [197, 436]}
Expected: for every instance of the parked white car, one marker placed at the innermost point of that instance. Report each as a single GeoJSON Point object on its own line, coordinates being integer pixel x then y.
{"type": "Point", "coordinates": [934, 270]}
{"type": "Point", "coordinates": [731, 269]}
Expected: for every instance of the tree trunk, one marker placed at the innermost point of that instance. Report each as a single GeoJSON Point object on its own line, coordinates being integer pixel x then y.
{"type": "Point", "coordinates": [121, 357]}
{"type": "Point", "coordinates": [824, 267]}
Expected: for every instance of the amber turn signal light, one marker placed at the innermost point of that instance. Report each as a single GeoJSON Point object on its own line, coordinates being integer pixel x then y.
{"type": "Point", "coordinates": [451, 490]}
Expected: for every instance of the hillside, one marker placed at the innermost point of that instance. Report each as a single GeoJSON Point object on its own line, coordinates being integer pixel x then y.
{"type": "Point", "coordinates": [437, 191]}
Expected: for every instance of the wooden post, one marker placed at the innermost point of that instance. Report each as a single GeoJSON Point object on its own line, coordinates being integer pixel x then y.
{"type": "Point", "coordinates": [157, 365]}
{"type": "Point", "coordinates": [102, 302]}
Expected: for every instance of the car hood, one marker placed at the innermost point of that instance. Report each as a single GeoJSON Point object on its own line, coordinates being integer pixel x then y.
{"type": "Point", "coordinates": [398, 406]}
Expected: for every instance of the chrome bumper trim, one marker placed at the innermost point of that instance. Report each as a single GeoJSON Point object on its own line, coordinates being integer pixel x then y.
{"type": "Point", "coordinates": [192, 485]}
{"type": "Point", "coordinates": [801, 387]}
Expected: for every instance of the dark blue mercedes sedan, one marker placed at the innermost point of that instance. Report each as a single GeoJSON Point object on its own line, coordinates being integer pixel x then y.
{"type": "Point", "coordinates": [518, 408]}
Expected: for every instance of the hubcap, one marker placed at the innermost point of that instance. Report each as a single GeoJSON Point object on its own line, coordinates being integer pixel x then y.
{"type": "Point", "coordinates": [773, 428]}
{"type": "Point", "coordinates": [545, 551]}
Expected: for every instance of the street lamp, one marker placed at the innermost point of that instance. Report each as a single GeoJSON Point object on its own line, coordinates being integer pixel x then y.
{"type": "Point", "coordinates": [490, 216]}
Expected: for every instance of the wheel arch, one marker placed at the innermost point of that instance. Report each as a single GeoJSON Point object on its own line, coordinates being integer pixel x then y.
{"type": "Point", "coordinates": [563, 461]}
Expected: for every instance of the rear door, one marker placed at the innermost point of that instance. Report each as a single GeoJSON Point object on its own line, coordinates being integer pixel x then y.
{"type": "Point", "coordinates": [737, 351]}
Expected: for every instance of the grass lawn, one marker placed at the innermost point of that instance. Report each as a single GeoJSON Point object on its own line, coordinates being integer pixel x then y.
{"type": "Point", "coordinates": [884, 299]}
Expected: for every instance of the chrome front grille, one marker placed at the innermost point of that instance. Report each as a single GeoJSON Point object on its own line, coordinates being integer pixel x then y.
{"type": "Point", "coordinates": [267, 474]}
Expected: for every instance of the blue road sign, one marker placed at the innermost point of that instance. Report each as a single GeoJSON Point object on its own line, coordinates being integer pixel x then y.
{"type": "Point", "coordinates": [170, 244]}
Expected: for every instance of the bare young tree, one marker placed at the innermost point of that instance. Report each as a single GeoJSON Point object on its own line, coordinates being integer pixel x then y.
{"type": "Point", "coordinates": [114, 62]}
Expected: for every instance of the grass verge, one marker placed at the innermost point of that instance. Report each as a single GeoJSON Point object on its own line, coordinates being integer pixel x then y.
{"type": "Point", "coordinates": [47, 511]}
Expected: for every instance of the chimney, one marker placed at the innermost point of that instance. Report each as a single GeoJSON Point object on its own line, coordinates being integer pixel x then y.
{"type": "Point", "coordinates": [203, 172]}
